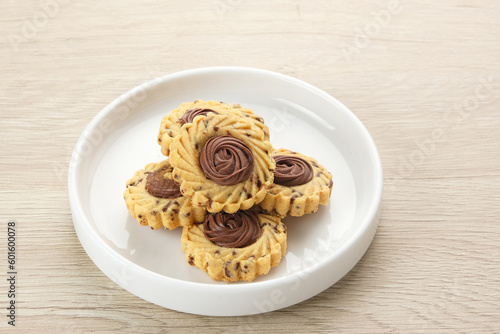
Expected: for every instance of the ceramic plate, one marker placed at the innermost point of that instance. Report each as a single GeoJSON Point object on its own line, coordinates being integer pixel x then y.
{"type": "Point", "coordinates": [322, 247]}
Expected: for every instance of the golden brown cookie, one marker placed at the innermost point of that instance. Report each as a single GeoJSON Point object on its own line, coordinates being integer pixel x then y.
{"type": "Point", "coordinates": [300, 185]}
{"type": "Point", "coordinates": [171, 124]}
{"type": "Point", "coordinates": [154, 198]}
{"type": "Point", "coordinates": [235, 247]}
{"type": "Point", "coordinates": [222, 162]}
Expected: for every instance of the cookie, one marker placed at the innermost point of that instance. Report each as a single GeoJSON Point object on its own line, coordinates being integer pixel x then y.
{"type": "Point", "coordinates": [222, 162]}
{"type": "Point", "coordinates": [171, 124]}
{"type": "Point", "coordinates": [235, 247]}
{"type": "Point", "coordinates": [300, 185]}
{"type": "Point", "coordinates": [154, 198]}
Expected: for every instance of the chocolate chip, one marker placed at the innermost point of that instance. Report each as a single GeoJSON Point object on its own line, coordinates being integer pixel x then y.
{"type": "Point", "coordinates": [191, 260]}
{"type": "Point", "coordinates": [216, 128]}
{"type": "Point", "coordinates": [227, 272]}
{"type": "Point", "coordinates": [165, 208]}
{"type": "Point", "coordinates": [237, 266]}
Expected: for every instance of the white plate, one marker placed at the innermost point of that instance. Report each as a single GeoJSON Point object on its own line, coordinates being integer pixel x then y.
{"type": "Point", "coordinates": [322, 247]}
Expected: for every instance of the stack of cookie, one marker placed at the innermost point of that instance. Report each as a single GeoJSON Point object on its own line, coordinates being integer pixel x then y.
{"type": "Point", "coordinates": [227, 187]}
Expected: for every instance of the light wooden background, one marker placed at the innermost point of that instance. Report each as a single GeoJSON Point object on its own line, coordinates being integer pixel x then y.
{"type": "Point", "coordinates": [423, 76]}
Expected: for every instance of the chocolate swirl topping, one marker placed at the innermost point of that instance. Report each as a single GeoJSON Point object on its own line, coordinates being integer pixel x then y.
{"type": "Point", "coordinates": [190, 114]}
{"type": "Point", "coordinates": [226, 160]}
{"type": "Point", "coordinates": [234, 230]}
{"type": "Point", "coordinates": [159, 186]}
{"type": "Point", "coordinates": [292, 170]}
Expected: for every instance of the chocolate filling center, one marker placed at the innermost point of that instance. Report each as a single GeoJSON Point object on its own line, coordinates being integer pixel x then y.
{"type": "Point", "coordinates": [159, 186]}
{"type": "Point", "coordinates": [190, 114]}
{"type": "Point", "coordinates": [292, 170]}
{"type": "Point", "coordinates": [226, 160]}
{"type": "Point", "coordinates": [234, 230]}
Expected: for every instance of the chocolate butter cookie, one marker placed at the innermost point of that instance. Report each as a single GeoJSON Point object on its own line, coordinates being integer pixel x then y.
{"type": "Point", "coordinates": [300, 185]}
{"type": "Point", "coordinates": [154, 198]}
{"type": "Point", "coordinates": [235, 247]}
{"type": "Point", "coordinates": [222, 162]}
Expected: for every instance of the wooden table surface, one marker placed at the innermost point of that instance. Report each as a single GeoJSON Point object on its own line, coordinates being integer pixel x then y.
{"type": "Point", "coordinates": [423, 76]}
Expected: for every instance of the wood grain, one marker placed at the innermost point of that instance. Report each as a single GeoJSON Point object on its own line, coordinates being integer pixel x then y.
{"type": "Point", "coordinates": [423, 76]}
